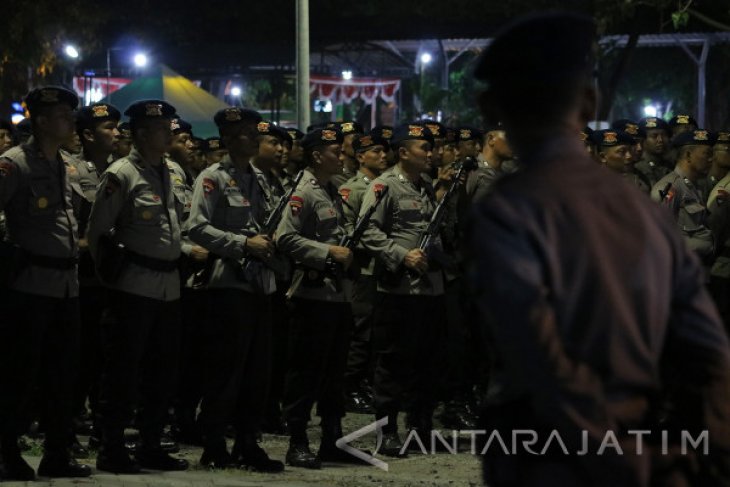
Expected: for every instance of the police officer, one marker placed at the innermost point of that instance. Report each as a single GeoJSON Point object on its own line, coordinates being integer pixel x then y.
{"type": "Point", "coordinates": [469, 142]}
{"type": "Point", "coordinates": [386, 132]}
{"type": "Point", "coordinates": [652, 164]}
{"type": "Point", "coordinates": [123, 143]}
{"type": "Point", "coordinates": [632, 128]}
{"type": "Point", "coordinates": [214, 150]}
{"type": "Point", "coordinates": [495, 151]}
{"type": "Point", "coordinates": [349, 130]}
{"type": "Point", "coordinates": [410, 289]}
{"type": "Point", "coordinates": [39, 331]}
{"type": "Point", "coordinates": [134, 238]}
{"type": "Point", "coordinates": [680, 193]}
{"type": "Point", "coordinates": [6, 135]}
{"type": "Point", "coordinates": [309, 233]}
{"type": "Point", "coordinates": [681, 123]}
{"type": "Point", "coordinates": [613, 150]}
{"type": "Point", "coordinates": [370, 151]}
{"type": "Point", "coordinates": [294, 160]}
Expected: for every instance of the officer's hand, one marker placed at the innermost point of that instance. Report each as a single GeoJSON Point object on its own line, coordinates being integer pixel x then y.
{"type": "Point", "coordinates": [446, 174]}
{"type": "Point", "coordinates": [260, 246]}
{"type": "Point", "coordinates": [341, 255]}
{"type": "Point", "coordinates": [198, 253]}
{"type": "Point", "coordinates": [83, 244]}
{"type": "Point", "coordinates": [416, 259]}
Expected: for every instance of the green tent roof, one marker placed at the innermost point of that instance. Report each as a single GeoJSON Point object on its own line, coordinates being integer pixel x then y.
{"type": "Point", "coordinates": [193, 104]}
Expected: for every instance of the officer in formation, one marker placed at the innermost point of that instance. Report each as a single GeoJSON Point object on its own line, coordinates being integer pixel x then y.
{"type": "Point", "coordinates": [495, 151]}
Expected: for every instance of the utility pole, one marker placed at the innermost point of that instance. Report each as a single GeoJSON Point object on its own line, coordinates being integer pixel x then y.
{"type": "Point", "coordinates": [303, 64]}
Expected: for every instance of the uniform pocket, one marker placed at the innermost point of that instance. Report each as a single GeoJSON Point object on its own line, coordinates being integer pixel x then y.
{"type": "Point", "coordinates": [692, 216]}
{"type": "Point", "coordinates": [326, 221]}
{"type": "Point", "coordinates": [148, 209]}
{"type": "Point", "coordinates": [45, 196]}
{"type": "Point", "coordinates": [238, 211]}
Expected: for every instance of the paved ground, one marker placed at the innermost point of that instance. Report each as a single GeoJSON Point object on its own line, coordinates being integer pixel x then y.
{"type": "Point", "coordinates": [441, 469]}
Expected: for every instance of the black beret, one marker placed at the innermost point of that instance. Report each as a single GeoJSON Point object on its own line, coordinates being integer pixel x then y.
{"type": "Point", "coordinates": [585, 135]}
{"type": "Point", "coordinates": [90, 116]}
{"type": "Point", "coordinates": [694, 137]}
{"type": "Point", "coordinates": [294, 133]}
{"type": "Point", "coordinates": [611, 138]}
{"type": "Point", "coordinates": [362, 143]}
{"type": "Point", "coordinates": [212, 144]}
{"type": "Point", "coordinates": [550, 46]}
{"type": "Point", "coordinates": [682, 120]}
{"type": "Point", "coordinates": [630, 127]}
{"type": "Point", "coordinates": [47, 96]}
{"type": "Point", "coordinates": [350, 127]}
{"type": "Point", "coordinates": [384, 131]}
{"type": "Point", "coordinates": [320, 137]}
{"type": "Point", "coordinates": [180, 126]}
{"type": "Point", "coordinates": [411, 131]}
{"type": "Point", "coordinates": [438, 130]}
{"type": "Point", "coordinates": [651, 123]}
{"type": "Point", "coordinates": [268, 128]}
{"type": "Point", "coordinates": [722, 137]}
{"type": "Point", "coordinates": [469, 133]}
{"type": "Point", "coordinates": [315, 126]}
{"type": "Point", "coordinates": [452, 135]}
{"type": "Point", "coordinates": [125, 131]}
{"type": "Point", "coordinates": [231, 115]}
{"type": "Point", "coordinates": [149, 109]}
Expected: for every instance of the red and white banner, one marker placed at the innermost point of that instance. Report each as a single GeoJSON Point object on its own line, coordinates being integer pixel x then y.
{"type": "Point", "coordinates": [93, 89]}
{"type": "Point", "coordinates": [339, 90]}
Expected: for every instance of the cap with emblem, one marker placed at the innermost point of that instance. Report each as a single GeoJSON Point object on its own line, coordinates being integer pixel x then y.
{"type": "Point", "coordinates": [384, 131]}
{"type": "Point", "coordinates": [212, 144]}
{"type": "Point", "coordinates": [651, 123]}
{"type": "Point", "coordinates": [722, 137]}
{"type": "Point", "coordinates": [469, 133]}
{"type": "Point", "coordinates": [231, 115]}
{"type": "Point", "coordinates": [321, 137]}
{"type": "Point", "coordinates": [411, 131]}
{"type": "Point", "coordinates": [90, 116]}
{"type": "Point", "coordinates": [267, 128]}
{"type": "Point", "coordinates": [48, 96]}
{"type": "Point", "coordinates": [682, 120]}
{"type": "Point", "coordinates": [611, 138]}
{"type": "Point", "coordinates": [180, 126]}
{"type": "Point", "coordinates": [694, 137]}
{"type": "Point", "coordinates": [437, 129]}
{"type": "Point", "coordinates": [349, 127]}
{"type": "Point", "coordinates": [363, 143]}
{"type": "Point", "coordinates": [149, 109]}
{"type": "Point", "coordinates": [630, 127]}
{"type": "Point", "coordinates": [586, 135]}
{"type": "Point", "coordinates": [294, 133]}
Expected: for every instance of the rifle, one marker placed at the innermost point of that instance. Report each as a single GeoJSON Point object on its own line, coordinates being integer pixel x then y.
{"type": "Point", "coordinates": [392, 279]}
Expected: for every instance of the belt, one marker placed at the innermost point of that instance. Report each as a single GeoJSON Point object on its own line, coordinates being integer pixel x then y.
{"type": "Point", "coordinates": [151, 263]}
{"type": "Point", "coordinates": [61, 263]}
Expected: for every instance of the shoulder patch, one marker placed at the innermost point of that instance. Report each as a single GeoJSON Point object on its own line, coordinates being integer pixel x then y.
{"type": "Point", "coordinates": [378, 188]}
{"type": "Point", "coordinates": [345, 193]}
{"type": "Point", "coordinates": [296, 203]}
{"type": "Point", "coordinates": [6, 168]}
{"type": "Point", "coordinates": [208, 186]}
{"type": "Point", "coordinates": [112, 185]}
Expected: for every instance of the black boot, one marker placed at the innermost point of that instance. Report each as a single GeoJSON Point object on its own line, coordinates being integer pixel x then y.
{"type": "Point", "coordinates": [113, 455]}
{"type": "Point", "coordinates": [16, 468]}
{"type": "Point", "coordinates": [328, 450]}
{"type": "Point", "coordinates": [62, 465]}
{"type": "Point", "coordinates": [392, 446]}
{"type": "Point", "coordinates": [299, 454]}
{"type": "Point", "coordinates": [250, 456]}
{"type": "Point", "coordinates": [215, 454]}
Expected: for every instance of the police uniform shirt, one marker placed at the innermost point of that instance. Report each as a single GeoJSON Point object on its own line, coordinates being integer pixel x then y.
{"type": "Point", "coordinates": [227, 208]}
{"type": "Point", "coordinates": [686, 203]}
{"type": "Point", "coordinates": [352, 193]}
{"type": "Point", "coordinates": [271, 187]}
{"type": "Point", "coordinates": [718, 205]}
{"type": "Point", "coordinates": [312, 223]}
{"type": "Point", "coordinates": [396, 226]}
{"type": "Point", "coordinates": [136, 200]}
{"type": "Point", "coordinates": [183, 199]}
{"type": "Point", "coordinates": [35, 195]}
{"type": "Point", "coordinates": [481, 181]}
{"type": "Point", "coordinates": [638, 180]}
{"type": "Point", "coordinates": [651, 170]}
{"type": "Point", "coordinates": [340, 179]}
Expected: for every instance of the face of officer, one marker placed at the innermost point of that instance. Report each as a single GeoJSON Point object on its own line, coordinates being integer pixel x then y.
{"type": "Point", "coordinates": [153, 135]}
{"type": "Point", "coordinates": [373, 159]}
{"type": "Point", "coordinates": [55, 123]}
{"type": "Point", "coordinates": [347, 145]}
{"type": "Point", "coordinates": [6, 140]}
{"type": "Point", "coordinates": [721, 155]}
{"type": "Point", "coordinates": [437, 152]}
{"type": "Point", "coordinates": [285, 148]}
{"type": "Point", "coordinates": [181, 149]}
{"type": "Point", "coordinates": [296, 154]}
{"type": "Point", "coordinates": [72, 144]}
{"type": "Point", "coordinates": [241, 139]}
{"type": "Point", "coordinates": [617, 158]}
{"type": "Point", "coordinates": [122, 147]}
{"type": "Point", "coordinates": [469, 148]}
{"type": "Point", "coordinates": [103, 136]}
{"type": "Point", "coordinates": [328, 160]}
{"type": "Point", "coordinates": [415, 156]}
{"type": "Point", "coordinates": [637, 150]}
{"type": "Point", "coordinates": [655, 142]}
{"type": "Point", "coordinates": [698, 157]}
{"type": "Point", "coordinates": [214, 157]}
{"type": "Point", "coordinates": [271, 150]}
{"type": "Point", "coordinates": [450, 155]}
{"type": "Point", "coordinates": [497, 141]}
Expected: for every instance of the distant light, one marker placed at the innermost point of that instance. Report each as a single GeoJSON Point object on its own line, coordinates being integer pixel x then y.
{"type": "Point", "coordinates": [140, 60]}
{"type": "Point", "coordinates": [71, 51]}
{"type": "Point", "coordinates": [426, 58]}
{"type": "Point", "coordinates": [16, 118]}
{"type": "Point", "coordinates": [89, 73]}
{"type": "Point", "coordinates": [236, 91]}
{"type": "Point", "coordinates": [650, 111]}
{"type": "Point", "coordinates": [17, 106]}
{"type": "Point", "coordinates": [347, 75]}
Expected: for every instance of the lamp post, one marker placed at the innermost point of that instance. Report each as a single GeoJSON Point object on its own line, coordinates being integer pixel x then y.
{"type": "Point", "coordinates": [140, 60]}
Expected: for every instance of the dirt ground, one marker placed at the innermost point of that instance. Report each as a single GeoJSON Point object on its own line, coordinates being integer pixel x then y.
{"type": "Point", "coordinates": [441, 469]}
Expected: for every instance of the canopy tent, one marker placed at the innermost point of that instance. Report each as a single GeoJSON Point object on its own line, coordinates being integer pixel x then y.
{"type": "Point", "coordinates": [193, 104]}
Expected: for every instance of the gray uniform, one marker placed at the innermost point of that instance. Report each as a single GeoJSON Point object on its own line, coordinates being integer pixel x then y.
{"type": "Point", "coordinates": [313, 222]}
{"type": "Point", "coordinates": [718, 204]}
{"type": "Point", "coordinates": [227, 207]}
{"type": "Point", "coordinates": [340, 179]}
{"type": "Point", "coordinates": [395, 228]}
{"type": "Point", "coordinates": [183, 200]}
{"type": "Point", "coordinates": [651, 170]}
{"type": "Point", "coordinates": [136, 200]}
{"type": "Point", "coordinates": [686, 202]}
{"type": "Point", "coordinates": [638, 180]}
{"type": "Point", "coordinates": [481, 181]}
{"type": "Point", "coordinates": [36, 197]}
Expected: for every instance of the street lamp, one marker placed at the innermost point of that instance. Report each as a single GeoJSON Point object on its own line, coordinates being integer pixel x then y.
{"type": "Point", "coordinates": [426, 58]}
{"type": "Point", "coordinates": [140, 60]}
{"type": "Point", "coordinates": [71, 51]}
{"type": "Point", "coordinates": [347, 75]}
{"type": "Point", "coordinates": [650, 111]}
{"type": "Point", "coordinates": [236, 91]}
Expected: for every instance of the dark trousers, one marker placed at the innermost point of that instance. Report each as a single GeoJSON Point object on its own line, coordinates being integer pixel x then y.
{"type": "Point", "coordinates": [236, 348]}
{"type": "Point", "coordinates": [194, 305]}
{"type": "Point", "coordinates": [279, 349]}
{"type": "Point", "coordinates": [318, 343]}
{"type": "Point", "coordinates": [360, 356]}
{"type": "Point", "coordinates": [39, 339]}
{"type": "Point", "coordinates": [408, 333]}
{"type": "Point", "coordinates": [92, 300]}
{"type": "Point", "coordinates": [141, 346]}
